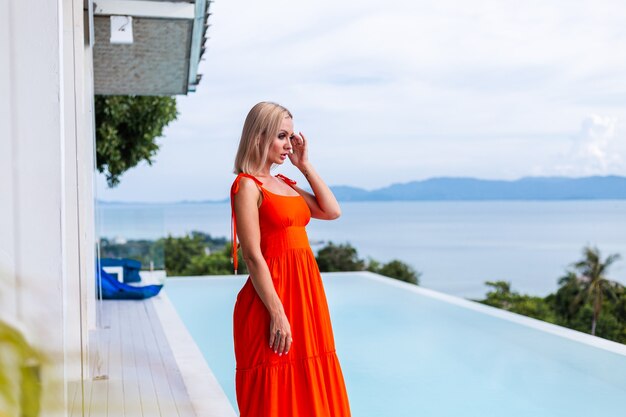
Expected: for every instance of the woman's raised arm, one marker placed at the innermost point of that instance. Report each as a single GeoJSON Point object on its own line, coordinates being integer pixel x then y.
{"type": "Point", "coordinates": [322, 202]}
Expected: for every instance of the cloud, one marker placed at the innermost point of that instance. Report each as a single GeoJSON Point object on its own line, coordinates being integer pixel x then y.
{"type": "Point", "coordinates": [405, 89]}
{"type": "Point", "coordinates": [598, 149]}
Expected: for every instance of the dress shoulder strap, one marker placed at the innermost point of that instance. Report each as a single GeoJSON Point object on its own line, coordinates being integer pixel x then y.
{"type": "Point", "coordinates": [233, 221]}
{"type": "Point", "coordinates": [289, 181]}
{"type": "Point", "coordinates": [235, 186]}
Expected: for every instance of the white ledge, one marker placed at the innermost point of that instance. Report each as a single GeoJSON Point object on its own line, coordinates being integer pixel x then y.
{"type": "Point", "coordinates": [207, 396]}
{"type": "Point", "coordinates": [541, 325]}
{"type": "Point", "coordinates": [141, 8]}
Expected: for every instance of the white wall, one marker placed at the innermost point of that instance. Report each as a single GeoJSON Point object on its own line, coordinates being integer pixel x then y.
{"type": "Point", "coordinates": [8, 306]}
{"type": "Point", "coordinates": [46, 191]}
{"type": "Point", "coordinates": [38, 142]}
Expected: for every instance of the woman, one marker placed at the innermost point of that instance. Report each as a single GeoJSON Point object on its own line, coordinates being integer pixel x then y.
{"type": "Point", "coordinates": [284, 345]}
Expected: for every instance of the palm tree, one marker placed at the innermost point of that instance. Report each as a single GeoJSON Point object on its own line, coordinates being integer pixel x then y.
{"type": "Point", "coordinates": [595, 285]}
{"type": "Point", "coordinates": [568, 297]}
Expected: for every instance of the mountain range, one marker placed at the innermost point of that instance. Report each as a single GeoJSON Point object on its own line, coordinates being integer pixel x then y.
{"type": "Point", "coordinates": [472, 189]}
{"type": "Point", "coordinates": [527, 188]}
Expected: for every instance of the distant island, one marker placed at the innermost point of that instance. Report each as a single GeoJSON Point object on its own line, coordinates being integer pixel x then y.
{"type": "Point", "coordinates": [472, 189]}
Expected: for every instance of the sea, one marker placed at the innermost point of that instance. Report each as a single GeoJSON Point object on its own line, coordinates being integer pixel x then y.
{"type": "Point", "coordinates": [456, 246]}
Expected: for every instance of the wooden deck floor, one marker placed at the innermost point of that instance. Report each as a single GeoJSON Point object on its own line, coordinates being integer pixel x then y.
{"type": "Point", "coordinates": [133, 370]}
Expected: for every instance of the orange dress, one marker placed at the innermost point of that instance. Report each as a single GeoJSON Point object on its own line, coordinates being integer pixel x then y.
{"type": "Point", "coordinates": [307, 381]}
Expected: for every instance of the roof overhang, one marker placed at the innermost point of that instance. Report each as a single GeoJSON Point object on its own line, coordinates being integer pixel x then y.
{"type": "Point", "coordinates": [163, 58]}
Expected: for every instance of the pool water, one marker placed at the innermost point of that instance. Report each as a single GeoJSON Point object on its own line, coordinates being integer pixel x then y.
{"type": "Point", "coordinates": [409, 351]}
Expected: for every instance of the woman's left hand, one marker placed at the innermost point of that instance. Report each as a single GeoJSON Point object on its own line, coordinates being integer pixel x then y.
{"type": "Point", "coordinates": [299, 157]}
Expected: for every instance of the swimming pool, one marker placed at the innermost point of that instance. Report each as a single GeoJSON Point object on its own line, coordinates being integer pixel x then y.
{"type": "Point", "coordinates": [407, 351]}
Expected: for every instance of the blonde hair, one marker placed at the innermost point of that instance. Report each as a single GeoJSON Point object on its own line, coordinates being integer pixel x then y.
{"type": "Point", "coordinates": [259, 129]}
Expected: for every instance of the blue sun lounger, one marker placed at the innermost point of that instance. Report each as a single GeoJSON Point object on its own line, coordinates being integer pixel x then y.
{"type": "Point", "coordinates": [131, 267]}
{"type": "Point", "coordinates": [112, 289]}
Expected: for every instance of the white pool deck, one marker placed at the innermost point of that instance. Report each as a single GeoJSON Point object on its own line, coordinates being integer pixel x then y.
{"type": "Point", "coordinates": [143, 362]}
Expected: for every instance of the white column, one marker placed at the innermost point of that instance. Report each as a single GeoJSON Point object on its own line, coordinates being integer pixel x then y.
{"type": "Point", "coordinates": [88, 175]}
{"type": "Point", "coordinates": [74, 173]}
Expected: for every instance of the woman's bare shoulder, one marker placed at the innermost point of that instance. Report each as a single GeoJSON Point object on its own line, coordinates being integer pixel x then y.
{"type": "Point", "coordinates": [248, 185]}
{"type": "Point", "coordinates": [248, 192]}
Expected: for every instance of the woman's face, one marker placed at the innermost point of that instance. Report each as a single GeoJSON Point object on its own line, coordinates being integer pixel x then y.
{"type": "Point", "coordinates": [281, 145]}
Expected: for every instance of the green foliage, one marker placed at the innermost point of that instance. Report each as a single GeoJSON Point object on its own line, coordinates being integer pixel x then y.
{"type": "Point", "coordinates": [586, 301]}
{"type": "Point", "coordinates": [144, 251]}
{"type": "Point", "coordinates": [20, 380]}
{"type": "Point", "coordinates": [535, 307]}
{"type": "Point", "coordinates": [213, 243]}
{"type": "Point", "coordinates": [214, 264]}
{"type": "Point", "coordinates": [178, 255]}
{"type": "Point", "coordinates": [502, 296]}
{"type": "Point", "coordinates": [395, 269]}
{"type": "Point", "coordinates": [198, 254]}
{"type": "Point", "coordinates": [179, 252]}
{"type": "Point", "coordinates": [201, 254]}
{"type": "Point", "coordinates": [126, 129]}
{"type": "Point", "coordinates": [594, 284]}
{"type": "Point", "coordinates": [567, 300]}
{"type": "Point", "coordinates": [338, 258]}
{"type": "Point", "coordinates": [344, 257]}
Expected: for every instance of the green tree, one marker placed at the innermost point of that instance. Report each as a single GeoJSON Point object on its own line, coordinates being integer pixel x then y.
{"type": "Point", "coordinates": [191, 255]}
{"type": "Point", "coordinates": [126, 129]}
{"type": "Point", "coordinates": [395, 269]}
{"type": "Point", "coordinates": [152, 251]}
{"type": "Point", "coordinates": [144, 251]}
{"type": "Point", "coordinates": [577, 302]}
{"type": "Point", "coordinates": [344, 257]}
{"type": "Point", "coordinates": [337, 258]}
{"type": "Point", "coordinates": [210, 241]}
{"type": "Point", "coordinates": [216, 263]}
{"type": "Point", "coordinates": [197, 253]}
{"type": "Point", "coordinates": [535, 307]}
{"type": "Point", "coordinates": [594, 284]}
{"type": "Point", "coordinates": [178, 252]}
{"type": "Point", "coordinates": [567, 300]}
{"type": "Point", "coordinates": [619, 311]}
{"type": "Point", "coordinates": [502, 296]}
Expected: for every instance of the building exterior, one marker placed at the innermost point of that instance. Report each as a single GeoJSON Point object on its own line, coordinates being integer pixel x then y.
{"type": "Point", "coordinates": [55, 55]}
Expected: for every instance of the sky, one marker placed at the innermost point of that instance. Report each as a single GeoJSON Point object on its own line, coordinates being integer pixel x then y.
{"type": "Point", "coordinates": [402, 90]}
